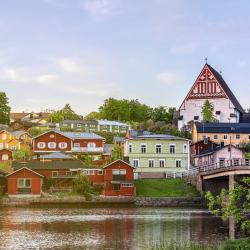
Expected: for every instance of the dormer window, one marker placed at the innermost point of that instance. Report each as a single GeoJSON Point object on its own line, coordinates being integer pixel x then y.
{"type": "Point", "coordinates": [196, 117]}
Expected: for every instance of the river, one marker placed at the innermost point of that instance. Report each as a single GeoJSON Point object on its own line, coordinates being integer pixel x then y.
{"type": "Point", "coordinates": [109, 228]}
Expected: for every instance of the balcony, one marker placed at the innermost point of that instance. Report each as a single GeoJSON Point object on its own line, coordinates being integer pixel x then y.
{"type": "Point", "coordinates": [87, 150]}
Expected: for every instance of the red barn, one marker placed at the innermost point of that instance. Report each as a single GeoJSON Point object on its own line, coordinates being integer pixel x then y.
{"type": "Point", "coordinates": [5, 155]}
{"type": "Point", "coordinates": [117, 178]}
{"type": "Point", "coordinates": [24, 181]}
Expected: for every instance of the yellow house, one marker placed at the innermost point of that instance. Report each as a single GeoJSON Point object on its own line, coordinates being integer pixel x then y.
{"type": "Point", "coordinates": [227, 133]}
{"type": "Point", "coordinates": [22, 136]}
{"type": "Point", "coordinates": [5, 137]}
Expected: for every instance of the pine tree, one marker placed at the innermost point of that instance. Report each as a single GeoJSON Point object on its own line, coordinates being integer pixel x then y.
{"type": "Point", "coordinates": [4, 109]}
{"type": "Point", "coordinates": [207, 112]}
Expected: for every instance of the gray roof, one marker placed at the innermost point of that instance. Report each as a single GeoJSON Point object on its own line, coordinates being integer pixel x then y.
{"type": "Point", "coordinates": [108, 149]}
{"type": "Point", "coordinates": [119, 139]}
{"type": "Point", "coordinates": [111, 123]}
{"type": "Point", "coordinates": [81, 135]}
{"type": "Point", "coordinates": [158, 136]}
{"type": "Point", "coordinates": [36, 164]}
{"type": "Point", "coordinates": [94, 122]}
{"type": "Point", "coordinates": [18, 133]}
{"type": "Point", "coordinates": [56, 155]}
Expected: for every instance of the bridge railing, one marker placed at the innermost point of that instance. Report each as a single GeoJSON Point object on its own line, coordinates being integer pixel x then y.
{"type": "Point", "coordinates": [224, 164]}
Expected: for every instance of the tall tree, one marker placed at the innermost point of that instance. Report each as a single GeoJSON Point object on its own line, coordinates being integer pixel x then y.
{"type": "Point", "coordinates": [92, 116]}
{"type": "Point", "coordinates": [162, 114]}
{"type": "Point", "coordinates": [207, 112]}
{"type": "Point", "coordinates": [66, 113]}
{"type": "Point", "coordinates": [4, 109]}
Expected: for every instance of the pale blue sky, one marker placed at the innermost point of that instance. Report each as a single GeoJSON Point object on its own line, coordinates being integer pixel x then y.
{"type": "Point", "coordinates": [81, 52]}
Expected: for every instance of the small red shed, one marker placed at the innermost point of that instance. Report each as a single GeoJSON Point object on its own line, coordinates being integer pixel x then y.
{"type": "Point", "coordinates": [24, 181]}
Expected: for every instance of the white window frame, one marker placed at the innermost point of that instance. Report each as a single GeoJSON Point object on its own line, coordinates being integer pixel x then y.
{"type": "Point", "coordinates": [100, 172]}
{"type": "Point", "coordinates": [130, 147]}
{"type": "Point", "coordinates": [138, 163]}
{"type": "Point", "coordinates": [215, 136]}
{"type": "Point", "coordinates": [76, 145]}
{"type": "Point", "coordinates": [24, 183]}
{"type": "Point", "coordinates": [162, 160]}
{"type": "Point", "coordinates": [152, 161]}
{"type": "Point", "coordinates": [51, 145]}
{"type": "Point", "coordinates": [185, 148]}
{"type": "Point", "coordinates": [5, 157]}
{"type": "Point", "coordinates": [143, 145]}
{"type": "Point", "coordinates": [62, 143]}
{"type": "Point", "coordinates": [91, 145]}
{"type": "Point", "coordinates": [225, 136]}
{"type": "Point", "coordinates": [54, 173]}
{"type": "Point", "coordinates": [179, 165]}
{"type": "Point", "coordinates": [41, 145]}
{"type": "Point", "coordinates": [172, 145]}
{"type": "Point", "coordinates": [157, 145]}
{"type": "Point", "coordinates": [237, 136]}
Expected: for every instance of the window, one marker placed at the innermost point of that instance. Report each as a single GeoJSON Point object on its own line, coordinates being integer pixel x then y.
{"type": "Point", "coordinates": [127, 184]}
{"type": "Point", "coordinates": [222, 162]}
{"type": "Point", "coordinates": [24, 183]}
{"type": "Point", "coordinates": [178, 163]}
{"type": "Point", "coordinates": [51, 145]}
{"type": "Point", "coordinates": [237, 145]}
{"type": "Point", "coordinates": [185, 149]}
{"type": "Point", "coordinates": [225, 137]}
{"type": "Point", "coordinates": [119, 171]}
{"type": "Point", "coordinates": [116, 187]}
{"type": "Point", "coordinates": [100, 172]}
{"type": "Point", "coordinates": [247, 161]}
{"type": "Point", "coordinates": [237, 136]}
{"type": "Point", "coordinates": [151, 163]}
{"type": "Point", "coordinates": [13, 148]}
{"type": "Point", "coordinates": [41, 145]}
{"type": "Point", "coordinates": [172, 149]}
{"type": "Point", "coordinates": [236, 162]}
{"type": "Point", "coordinates": [136, 163]}
{"type": "Point", "coordinates": [69, 173]}
{"type": "Point", "coordinates": [143, 148]}
{"type": "Point", "coordinates": [91, 145]}
{"type": "Point", "coordinates": [76, 145]}
{"type": "Point", "coordinates": [52, 136]}
{"type": "Point", "coordinates": [158, 148]}
{"type": "Point", "coordinates": [215, 137]}
{"type": "Point", "coordinates": [54, 173]}
{"type": "Point", "coordinates": [5, 157]}
{"type": "Point", "coordinates": [62, 145]}
{"type": "Point", "coordinates": [4, 136]}
{"type": "Point", "coordinates": [130, 148]}
{"type": "Point", "coordinates": [79, 125]}
{"type": "Point", "coordinates": [161, 163]}
{"type": "Point", "coordinates": [248, 137]}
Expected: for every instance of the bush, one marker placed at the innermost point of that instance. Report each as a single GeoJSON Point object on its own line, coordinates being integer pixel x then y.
{"type": "Point", "coordinates": [240, 244]}
{"type": "Point", "coordinates": [83, 186]}
{"type": "Point", "coordinates": [22, 154]}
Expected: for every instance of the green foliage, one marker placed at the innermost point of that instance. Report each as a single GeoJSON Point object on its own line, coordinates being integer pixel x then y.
{"type": "Point", "coordinates": [33, 131]}
{"type": "Point", "coordinates": [22, 154]}
{"type": "Point", "coordinates": [4, 109]}
{"type": "Point", "coordinates": [234, 203]}
{"type": "Point", "coordinates": [165, 188]}
{"type": "Point", "coordinates": [117, 152]}
{"type": "Point", "coordinates": [207, 112]}
{"type": "Point", "coordinates": [82, 186]}
{"type": "Point", "coordinates": [109, 137]}
{"type": "Point", "coordinates": [245, 147]}
{"type": "Point", "coordinates": [66, 113]}
{"type": "Point", "coordinates": [124, 110]}
{"type": "Point", "coordinates": [162, 114]}
{"type": "Point", "coordinates": [92, 116]}
{"type": "Point", "coordinates": [241, 244]}
{"type": "Point", "coordinates": [6, 166]}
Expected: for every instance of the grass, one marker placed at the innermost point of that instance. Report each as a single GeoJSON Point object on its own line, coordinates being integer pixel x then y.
{"type": "Point", "coordinates": [164, 188]}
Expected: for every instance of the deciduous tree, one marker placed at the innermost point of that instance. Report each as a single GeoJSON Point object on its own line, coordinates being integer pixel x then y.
{"type": "Point", "coordinates": [4, 109]}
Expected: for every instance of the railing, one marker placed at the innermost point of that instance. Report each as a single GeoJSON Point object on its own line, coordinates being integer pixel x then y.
{"type": "Point", "coordinates": [87, 149]}
{"type": "Point", "coordinates": [224, 165]}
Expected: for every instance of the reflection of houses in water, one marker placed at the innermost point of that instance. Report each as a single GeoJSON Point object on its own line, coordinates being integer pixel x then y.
{"type": "Point", "coordinates": [158, 228]}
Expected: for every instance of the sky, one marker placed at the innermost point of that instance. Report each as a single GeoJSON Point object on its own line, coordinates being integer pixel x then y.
{"type": "Point", "coordinates": [80, 52]}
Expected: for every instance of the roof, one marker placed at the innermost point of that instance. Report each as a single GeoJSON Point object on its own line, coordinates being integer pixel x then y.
{"type": "Point", "coordinates": [4, 127]}
{"type": "Point", "coordinates": [227, 90]}
{"type": "Point", "coordinates": [24, 167]}
{"type": "Point", "coordinates": [245, 118]}
{"type": "Point", "coordinates": [159, 136]}
{"type": "Point", "coordinates": [80, 122]}
{"type": "Point", "coordinates": [119, 160]}
{"type": "Point", "coordinates": [119, 139]}
{"type": "Point", "coordinates": [18, 115]}
{"type": "Point", "coordinates": [108, 149]}
{"type": "Point", "coordinates": [223, 127]}
{"type": "Point", "coordinates": [56, 155]}
{"type": "Point", "coordinates": [74, 135]}
{"type": "Point", "coordinates": [111, 123]}
{"type": "Point", "coordinates": [35, 164]}
{"type": "Point", "coordinates": [18, 133]}
{"type": "Point", "coordinates": [135, 133]}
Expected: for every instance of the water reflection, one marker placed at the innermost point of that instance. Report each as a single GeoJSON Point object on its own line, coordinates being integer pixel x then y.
{"type": "Point", "coordinates": [127, 228]}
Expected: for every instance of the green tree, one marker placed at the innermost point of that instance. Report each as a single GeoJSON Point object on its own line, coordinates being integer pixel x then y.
{"type": "Point", "coordinates": [117, 152]}
{"type": "Point", "coordinates": [33, 131]}
{"type": "Point", "coordinates": [162, 114]}
{"type": "Point", "coordinates": [234, 203]}
{"type": "Point", "coordinates": [92, 116]}
{"type": "Point", "coordinates": [207, 112]}
{"type": "Point", "coordinates": [82, 186]}
{"type": "Point", "coordinates": [22, 154]}
{"type": "Point", "coordinates": [4, 109]}
{"type": "Point", "coordinates": [66, 113]}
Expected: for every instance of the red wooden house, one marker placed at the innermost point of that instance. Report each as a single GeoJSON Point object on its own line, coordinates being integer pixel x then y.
{"type": "Point", "coordinates": [5, 155]}
{"type": "Point", "coordinates": [68, 142]}
{"type": "Point", "coordinates": [117, 178]}
{"type": "Point", "coordinates": [24, 181]}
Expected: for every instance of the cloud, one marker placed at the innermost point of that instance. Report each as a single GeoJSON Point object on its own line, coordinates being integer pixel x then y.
{"type": "Point", "coordinates": [184, 49]}
{"type": "Point", "coordinates": [69, 65]}
{"type": "Point", "coordinates": [46, 78]}
{"type": "Point", "coordinates": [169, 78]}
{"type": "Point", "coordinates": [101, 7]}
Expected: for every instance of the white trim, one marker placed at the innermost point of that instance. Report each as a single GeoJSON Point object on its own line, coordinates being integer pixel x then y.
{"type": "Point", "coordinates": [117, 161]}
{"type": "Point", "coordinates": [138, 162]}
{"type": "Point", "coordinates": [164, 160]}
{"type": "Point", "coordinates": [180, 163]}
{"type": "Point", "coordinates": [26, 169]}
{"type": "Point", "coordinates": [153, 160]}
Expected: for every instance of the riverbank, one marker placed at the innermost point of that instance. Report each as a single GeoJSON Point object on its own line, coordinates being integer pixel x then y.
{"type": "Point", "coordinates": [78, 201]}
